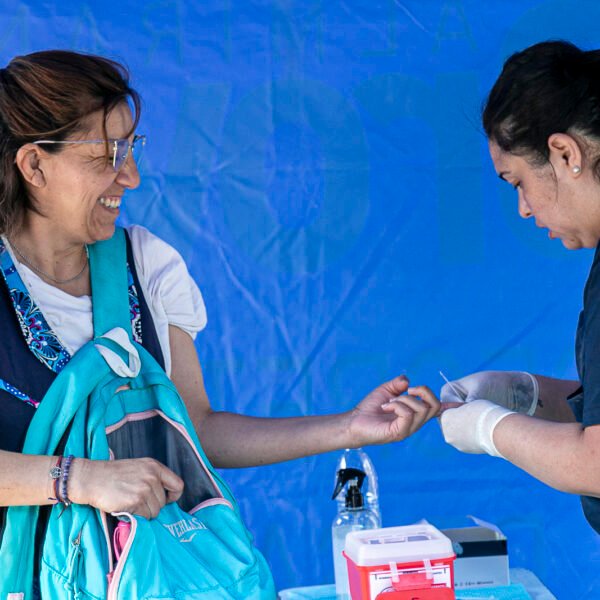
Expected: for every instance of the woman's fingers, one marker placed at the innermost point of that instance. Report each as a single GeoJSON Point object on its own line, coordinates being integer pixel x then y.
{"type": "Point", "coordinates": [396, 386]}
{"type": "Point", "coordinates": [162, 485]}
{"type": "Point", "coordinates": [140, 486]}
{"type": "Point", "coordinates": [171, 483]}
{"type": "Point", "coordinates": [448, 405]}
{"type": "Point", "coordinates": [413, 409]}
{"type": "Point", "coordinates": [403, 424]}
{"type": "Point", "coordinates": [156, 500]}
{"type": "Point", "coordinates": [426, 395]}
{"type": "Point", "coordinates": [150, 510]}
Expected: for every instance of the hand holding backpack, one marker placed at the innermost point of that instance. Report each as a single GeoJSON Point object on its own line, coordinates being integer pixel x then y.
{"type": "Point", "coordinates": [116, 402]}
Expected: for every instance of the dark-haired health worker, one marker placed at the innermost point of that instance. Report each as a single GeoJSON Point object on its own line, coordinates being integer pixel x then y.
{"type": "Point", "coordinates": [542, 120]}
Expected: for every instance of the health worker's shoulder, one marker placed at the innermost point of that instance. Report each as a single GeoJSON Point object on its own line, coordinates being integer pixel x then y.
{"type": "Point", "coordinates": [591, 294]}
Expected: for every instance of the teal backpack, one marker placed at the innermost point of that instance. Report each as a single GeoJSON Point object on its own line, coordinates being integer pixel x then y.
{"type": "Point", "coordinates": [113, 401]}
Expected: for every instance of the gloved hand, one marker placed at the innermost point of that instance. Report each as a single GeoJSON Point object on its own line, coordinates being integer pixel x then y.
{"type": "Point", "coordinates": [515, 390]}
{"type": "Point", "coordinates": [470, 428]}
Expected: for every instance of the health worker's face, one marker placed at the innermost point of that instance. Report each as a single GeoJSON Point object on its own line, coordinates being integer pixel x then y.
{"type": "Point", "coordinates": [559, 201]}
{"type": "Point", "coordinates": [83, 193]}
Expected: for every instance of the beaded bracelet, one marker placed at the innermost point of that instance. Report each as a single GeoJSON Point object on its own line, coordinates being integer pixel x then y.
{"type": "Point", "coordinates": [66, 467]}
{"type": "Point", "coordinates": [59, 473]}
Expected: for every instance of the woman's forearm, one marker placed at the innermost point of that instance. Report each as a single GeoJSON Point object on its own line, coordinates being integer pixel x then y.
{"type": "Point", "coordinates": [390, 412]}
{"type": "Point", "coordinates": [387, 414]}
{"type": "Point", "coordinates": [552, 401]}
{"type": "Point", "coordinates": [231, 440]}
{"type": "Point", "coordinates": [25, 479]}
{"type": "Point", "coordinates": [562, 455]}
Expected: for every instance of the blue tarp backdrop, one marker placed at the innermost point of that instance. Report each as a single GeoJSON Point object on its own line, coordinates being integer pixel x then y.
{"type": "Point", "coordinates": [322, 169]}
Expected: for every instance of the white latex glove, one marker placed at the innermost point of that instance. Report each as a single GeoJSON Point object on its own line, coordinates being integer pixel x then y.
{"type": "Point", "coordinates": [470, 428]}
{"type": "Point", "coordinates": [515, 390]}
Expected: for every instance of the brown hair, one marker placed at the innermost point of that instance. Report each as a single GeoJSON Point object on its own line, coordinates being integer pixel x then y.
{"type": "Point", "coordinates": [48, 95]}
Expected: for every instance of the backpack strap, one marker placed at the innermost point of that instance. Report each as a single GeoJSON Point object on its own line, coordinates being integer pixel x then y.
{"type": "Point", "coordinates": [108, 270]}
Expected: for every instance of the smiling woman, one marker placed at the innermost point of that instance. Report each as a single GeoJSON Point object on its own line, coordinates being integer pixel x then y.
{"type": "Point", "coordinates": [67, 159]}
{"type": "Point", "coordinates": [75, 185]}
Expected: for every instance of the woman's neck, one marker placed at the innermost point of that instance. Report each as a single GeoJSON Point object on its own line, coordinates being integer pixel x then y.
{"type": "Point", "coordinates": [57, 260]}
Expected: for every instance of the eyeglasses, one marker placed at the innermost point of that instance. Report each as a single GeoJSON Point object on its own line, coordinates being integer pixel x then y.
{"type": "Point", "coordinates": [120, 148]}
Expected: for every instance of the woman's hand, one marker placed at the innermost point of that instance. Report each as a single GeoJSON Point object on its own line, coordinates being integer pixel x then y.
{"type": "Point", "coordinates": [392, 412]}
{"type": "Point", "coordinates": [470, 427]}
{"type": "Point", "coordinates": [515, 390]}
{"type": "Point", "coordinates": [140, 486]}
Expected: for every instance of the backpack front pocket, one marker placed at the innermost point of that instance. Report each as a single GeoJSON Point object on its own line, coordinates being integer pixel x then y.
{"type": "Point", "coordinates": [204, 556]}
{"type": "Point", "coordinates": [78, 576]}
{"type": "Point", "coordinates": [151, 434]}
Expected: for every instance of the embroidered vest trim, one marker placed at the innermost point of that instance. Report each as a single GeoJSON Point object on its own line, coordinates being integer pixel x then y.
{"type": "Point", "coordinates": [41, 340]}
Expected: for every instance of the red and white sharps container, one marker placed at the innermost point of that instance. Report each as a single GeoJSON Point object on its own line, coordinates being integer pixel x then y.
{"type": "Point", "coordinates": [412, 562]}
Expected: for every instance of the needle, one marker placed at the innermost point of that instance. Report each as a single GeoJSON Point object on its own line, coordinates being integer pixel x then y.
{"type": "Point", "coordinates": [460, 394]}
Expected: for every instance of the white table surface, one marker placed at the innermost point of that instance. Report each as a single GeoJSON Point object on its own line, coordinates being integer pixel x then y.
{"type": "Point", "coordinates": [535, 588]}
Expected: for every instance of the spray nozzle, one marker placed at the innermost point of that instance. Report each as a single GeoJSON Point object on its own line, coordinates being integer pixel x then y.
{"type": "Point", "coordinates": [354, 478]}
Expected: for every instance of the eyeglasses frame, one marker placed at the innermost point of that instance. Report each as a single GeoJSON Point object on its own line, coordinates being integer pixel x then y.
{"type": "Point", "coordinates": [115, 143]}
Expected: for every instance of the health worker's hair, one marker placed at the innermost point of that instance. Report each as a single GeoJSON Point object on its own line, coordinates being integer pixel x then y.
{"type": "Point", "coordinates": [550, 87]}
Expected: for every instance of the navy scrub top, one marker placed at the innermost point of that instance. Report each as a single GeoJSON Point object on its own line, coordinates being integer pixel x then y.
{"type": "Point", "coordinates": [585, 402]}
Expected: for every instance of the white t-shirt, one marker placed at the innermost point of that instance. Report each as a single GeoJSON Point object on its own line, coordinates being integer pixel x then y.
{"type": "Point", "coordinates": [172, 296]}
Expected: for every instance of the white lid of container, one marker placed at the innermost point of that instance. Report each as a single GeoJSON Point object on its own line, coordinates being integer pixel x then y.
{"type": "Point", "coordinates": [409, 543]}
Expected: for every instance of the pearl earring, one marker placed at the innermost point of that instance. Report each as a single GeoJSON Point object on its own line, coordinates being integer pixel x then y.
{"type": "Point", "coordinates": [576, 169]}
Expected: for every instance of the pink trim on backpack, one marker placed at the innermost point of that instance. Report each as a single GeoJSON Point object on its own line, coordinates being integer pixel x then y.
{"type": "Point", "coordinates": [107, 538]}
{"type": "Point", "coordinates": [210, 502]}
{"type": "Point", "coordinates": [115, 576]}
{"type": "Point", "coordinates": [140, 416]}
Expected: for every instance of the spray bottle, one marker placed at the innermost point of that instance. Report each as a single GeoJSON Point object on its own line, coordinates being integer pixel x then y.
{"type": "Point", "coordinates": [353, 516]}
{"type": "Point", "coordinates": [357, 458]}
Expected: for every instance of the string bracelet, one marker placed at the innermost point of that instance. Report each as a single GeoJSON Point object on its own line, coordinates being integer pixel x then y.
{"type": "Point", "coordinates": [55, 474]}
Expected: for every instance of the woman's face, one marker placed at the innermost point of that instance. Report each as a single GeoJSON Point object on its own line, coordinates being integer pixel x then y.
{"type": "Point", "coordinates": [565, 204]}
{"type": "Point", "coordinates": [82, 194]}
